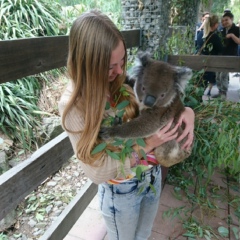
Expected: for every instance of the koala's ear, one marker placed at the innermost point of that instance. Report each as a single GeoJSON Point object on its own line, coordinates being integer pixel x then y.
{"type": "Point", "coordinates": [183, 75]}
{"type": "Point", "coordinates": [129, 81]}
{"type": "Point", "coordinates": [143, 58]}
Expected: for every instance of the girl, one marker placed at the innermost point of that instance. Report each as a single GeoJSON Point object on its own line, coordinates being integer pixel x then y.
{"type": "Point", "coordinates": [97, 68]}
{"type": "Point", "coordinates": [209, 43]}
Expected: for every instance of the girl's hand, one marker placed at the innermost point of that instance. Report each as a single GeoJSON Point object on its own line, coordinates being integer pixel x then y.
{"type": "Point", "coordinates": [187, 117]}
{"type": "Point", "coordinates": [162, 136]}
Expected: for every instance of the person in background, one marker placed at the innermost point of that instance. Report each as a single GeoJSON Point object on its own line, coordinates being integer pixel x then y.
{"type": "Point", "coordinates": [220, 27]}
{"type": "Point", "coordinates": [239, 36]}
{"type": "Point", "coordinates": [238, 74]}
{"type": "Point", "coordinates": [209, 43]}
{"type": "Point", "coordinates": [231, 39]}
{"type": "Point", "coordinates": [199, 26]}
{"type": "Point", "coordinates": [97, 61]}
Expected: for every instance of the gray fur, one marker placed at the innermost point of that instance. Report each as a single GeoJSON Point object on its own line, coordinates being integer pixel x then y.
{"type": "Point", "coordinates": [158, 86]}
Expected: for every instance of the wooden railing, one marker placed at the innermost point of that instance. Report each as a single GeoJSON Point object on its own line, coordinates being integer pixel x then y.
{"type": "Point", "coordinates": [24, 57]}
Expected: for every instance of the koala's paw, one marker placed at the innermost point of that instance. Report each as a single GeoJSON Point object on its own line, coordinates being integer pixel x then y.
{"type": "Point", "coordinates": [104, 133]}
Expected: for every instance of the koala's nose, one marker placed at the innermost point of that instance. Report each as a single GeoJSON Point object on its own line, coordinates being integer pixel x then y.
{"type": "Point", "coordinates": [149, 100]}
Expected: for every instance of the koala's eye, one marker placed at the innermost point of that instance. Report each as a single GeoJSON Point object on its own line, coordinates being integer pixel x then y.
{"type": "Point", "coordinates": [162, 95]}
{"type": "Point", "coordinates": [143, 89]}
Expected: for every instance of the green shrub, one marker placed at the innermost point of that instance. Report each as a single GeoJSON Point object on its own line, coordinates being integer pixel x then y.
{"type": "Point", "coordinates": [19, 111]}
{"type": "Point", "coordinates": [20, 115]}
{"type": "Point", "coordinates": [29, 18]}
{"type": "Point", "coordinates": [216, 143]}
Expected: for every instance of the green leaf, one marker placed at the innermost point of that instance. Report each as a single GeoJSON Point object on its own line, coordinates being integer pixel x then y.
{"type": "Point", "coordinates": [140, 190]}
{"type": "Point", "coordinates": [189, 235]}
{"type": "Point", "coordinates": [99, 148]}
{"type": "Point", "coordinates": [129, 143]}
{"type": "Point", "coordinates": [223, 231]}
{"type": "Point", "coordinates": [139, 173]}
{"type": "Point", "coordinates": [122, 104]}
{"type": "Point", "coordinates": [16, 235]}
{"type": "Point", "coordinates": [140, 142]}
{"type": "Point", "coordinates": [122, 89]}
{"type": "Point", "coordinates": [117, 142]}
{"type": "Point", "coordinates": [39, 217]}
{"type": "Point", "coordinates": [153, 188]}
{"type": "Point", "coordinates": [143, 154]}
{"type": "Point", "coordinates": [113, 155]}
{"type": "Point", "coordinates": [120, 113]}
{"type": "Point", "coordinates": [107, 107]}
{"type": "Point", "coordinates": [236, 232]}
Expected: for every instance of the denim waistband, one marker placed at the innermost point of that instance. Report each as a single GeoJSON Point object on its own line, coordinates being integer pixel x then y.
{"type": "Point", "coordinates": [150, 172]}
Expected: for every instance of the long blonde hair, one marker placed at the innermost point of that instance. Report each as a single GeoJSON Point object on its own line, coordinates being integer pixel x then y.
{"type": "Point", "coordinates": [92, 39]}
{"type": "Point", "coordinates": [210, 22]}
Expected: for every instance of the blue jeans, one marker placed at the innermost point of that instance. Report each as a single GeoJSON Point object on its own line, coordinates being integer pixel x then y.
{"type": "Point", "coordinates": [129, 208]}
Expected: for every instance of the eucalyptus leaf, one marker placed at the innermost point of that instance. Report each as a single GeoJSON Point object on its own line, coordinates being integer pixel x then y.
{"type": "Point", "coordinates": [143, 154]}
{"type": "Point", "coordinates": [223, 231]}
{"type": "Point", "coordinates": [191, 235]}
{"type": "Point", "coordinates": [153, 188]}
{"type": "Point", "coordinates": [122, 89]}
{"type": "Point", "coordinates": [236, 232]}
{"type": "Point", "coordinates": [107, 107]}
{"type": "Point", "coordinates": [140, 190]}
{"type": "Point", "coordinates": [39, 217]}
{"type": "Point", "coordinates": [16, 235]}
{"type": "Point", "coordinates": [118, 142]}
{"type": "Point", "coordinates": [113, 154]}
{"type": "Point", "coordinates": [122, 105]}
{"type": "Point", "coordinates": [129, 142]}
{"type": "Point", "coordinates": [139, 173]}
{"type": "Point", "coordinates": [120, 113]}
{"type": "Point", "coordinates": [140, 142]}
{"type": "Point", "coordinates": [99, 148]}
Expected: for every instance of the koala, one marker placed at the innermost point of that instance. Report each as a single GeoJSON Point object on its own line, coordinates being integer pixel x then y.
{"type": "Point", "coordinates": [158, 87]}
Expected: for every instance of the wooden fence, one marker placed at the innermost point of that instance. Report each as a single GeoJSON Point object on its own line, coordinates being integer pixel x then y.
{"type": "Point", "coordinates": [24, 57]}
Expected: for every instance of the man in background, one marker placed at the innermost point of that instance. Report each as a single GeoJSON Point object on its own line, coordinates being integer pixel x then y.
{"type": "Point", "coordinates": [230, 34]}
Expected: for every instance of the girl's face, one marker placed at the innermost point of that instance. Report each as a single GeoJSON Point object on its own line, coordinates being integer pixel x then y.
{"type": "Point", "coordinates": [116, 62]}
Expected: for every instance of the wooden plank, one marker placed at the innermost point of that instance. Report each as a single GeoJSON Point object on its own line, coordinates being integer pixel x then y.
{"type": "Point", "coordinates": [209, 63]}
{"type": "Point", "coordinates": [19, 181]}
{"type": "Point", "coordinates": [24, 57]}
{"type": "Point", "coordinates": [60, 228]}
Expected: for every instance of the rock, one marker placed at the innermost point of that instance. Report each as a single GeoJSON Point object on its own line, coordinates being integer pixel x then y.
{"type": "Point", "coordinates": [58, 203]}
{"type": "Point", "coordinates": [49, 209]}
{"type": "Point", "coordinates": [32, 223]}
{"type": "Point", "coordinates": [5, 142]}
{"type": "Point", "coordinates": [8, 221]}
{"type": "Point", "coordinates": [51, 184]}
{"type": "Point", "coordinates": [76, 174]}
{"type": "Point", "coordinates": [24, 237]}
{"type": "Point", "coordinates": [41, 225]}
{"type": "Point", "coordinates": [57, 212]}
{"type": "Point", "coordinates": [3, 162]}
{"type": "Point", "coordinates": [38, 232]}
{"type": "Point", "coordinates": [51, 128]}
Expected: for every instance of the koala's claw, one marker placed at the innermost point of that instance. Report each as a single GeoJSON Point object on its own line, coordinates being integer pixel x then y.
{"type": "Point", "coordinates": [104, 133]}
